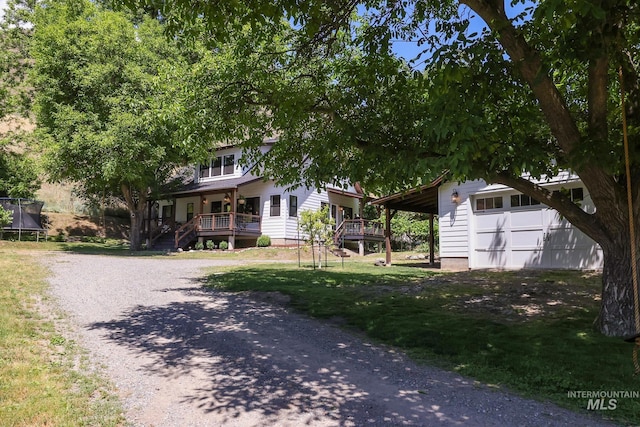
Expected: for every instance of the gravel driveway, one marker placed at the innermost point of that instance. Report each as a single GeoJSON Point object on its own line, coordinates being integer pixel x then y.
{"type": "Point", "coordinates": [183, 356]}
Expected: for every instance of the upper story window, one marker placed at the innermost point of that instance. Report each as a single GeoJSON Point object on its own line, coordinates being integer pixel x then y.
{"type": "Point", "coordinates": [229, 164]}
{"type": "Point", "coordinates": [221, 165]}
{"type": "Point", "coordinates": [488, 203]}
{"type": "Point", "coordinates": [523, 200]}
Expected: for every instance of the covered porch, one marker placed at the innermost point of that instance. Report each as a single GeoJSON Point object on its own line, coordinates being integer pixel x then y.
{"type": "Point", "coordinates": [423, 199]}
{"type": "Point", "coordinates": [213, 210]}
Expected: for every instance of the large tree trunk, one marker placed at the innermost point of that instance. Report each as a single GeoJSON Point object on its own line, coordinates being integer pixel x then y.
{"type": "Point", "coordinates": [617, 312]}
{"type": "Point", "coordinates": [135, 233]}
{"type": "Point", "coordinates": [136, 201]}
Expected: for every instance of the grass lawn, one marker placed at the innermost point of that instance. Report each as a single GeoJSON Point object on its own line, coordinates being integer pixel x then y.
{"type": "Point", "coordinates": [527, 331]}
{"type": "Point", "coordinates": [42, 379]}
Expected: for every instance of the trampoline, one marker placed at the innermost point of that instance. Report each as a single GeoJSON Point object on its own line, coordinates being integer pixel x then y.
{"type": "Point", "coordinates": [26, 216]}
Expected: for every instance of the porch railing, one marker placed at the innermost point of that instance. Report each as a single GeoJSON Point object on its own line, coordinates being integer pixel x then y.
{"type": "Point", "coordinates": [230, 221]}
{"type": "Point", "coordinates": [359, 228]}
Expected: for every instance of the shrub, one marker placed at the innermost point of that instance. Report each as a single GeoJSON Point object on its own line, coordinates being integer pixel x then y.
{"type": "Point", "coordinates": [210, 245]}
{"type": "Point", "coordinates": [224, 245]}
{"type": "Point", "coordinates": [199, 246]}
{"type": "Point", "coordinates": [263, 241]}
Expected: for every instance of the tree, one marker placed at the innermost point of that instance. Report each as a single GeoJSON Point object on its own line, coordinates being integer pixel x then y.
{"type": "Point", "coordinates": [18, 171]}
{"type": "Point", "coordinates": [536, 92]}
{"type": "Point", "coordinates": [105, 82]}
{"type": "Point", "coordinates": [317, 226]}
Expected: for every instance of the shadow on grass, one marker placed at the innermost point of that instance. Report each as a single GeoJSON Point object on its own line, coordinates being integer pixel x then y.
{"type": "Point", "coordinates": [429, 315]}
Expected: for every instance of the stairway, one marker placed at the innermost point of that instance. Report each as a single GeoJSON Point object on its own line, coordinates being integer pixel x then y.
{"type": "Point", "coordinates": [164, 243]}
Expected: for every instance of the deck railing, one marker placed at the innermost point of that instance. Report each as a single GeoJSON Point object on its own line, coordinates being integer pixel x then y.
{"type": "Point", "coordinates": [230, 222]}
{"type": "Point", "coordinates": [359, 228]}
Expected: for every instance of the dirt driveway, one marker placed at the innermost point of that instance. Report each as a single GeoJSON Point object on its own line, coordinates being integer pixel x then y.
{"type": "Point", "coordinates": [183, 356]}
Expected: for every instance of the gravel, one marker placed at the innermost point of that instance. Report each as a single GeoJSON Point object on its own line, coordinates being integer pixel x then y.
{"type": "Point", "coordinates": [181, 355]}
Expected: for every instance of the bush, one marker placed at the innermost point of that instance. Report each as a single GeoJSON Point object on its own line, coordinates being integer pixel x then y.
{"type": "Point", "coordinates": [224, 245]}
{"type": "Point", "coordinates": [199, 246]}
{"type": "Point", "coordinates": [210, 245]}
{"type": "Point", "coordinates": [263, 241]}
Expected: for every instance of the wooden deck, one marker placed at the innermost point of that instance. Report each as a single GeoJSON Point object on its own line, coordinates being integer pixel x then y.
{"type": "Point", "coordinates": [359, 229]}
{"type": "Point", "coordinates": [219, 224]}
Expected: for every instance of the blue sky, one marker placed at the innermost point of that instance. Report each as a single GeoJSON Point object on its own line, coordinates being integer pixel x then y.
{"type": "Point", "coordinates": [409, 49]}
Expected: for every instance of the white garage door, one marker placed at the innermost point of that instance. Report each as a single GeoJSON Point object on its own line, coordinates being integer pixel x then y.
{"type": "Point", "coordinates": [529, 237]}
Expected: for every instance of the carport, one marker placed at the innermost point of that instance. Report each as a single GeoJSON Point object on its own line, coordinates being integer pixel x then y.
{"type": "Point", "coordinates": [423, 199]}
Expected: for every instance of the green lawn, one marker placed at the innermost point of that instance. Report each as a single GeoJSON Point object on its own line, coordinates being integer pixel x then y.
{"type": "Point", "coordinates": [530, 332]}
{"type": "Point", "coordinates": [526, 331]}
{"type": "Point", "coordinates": [42, 379]}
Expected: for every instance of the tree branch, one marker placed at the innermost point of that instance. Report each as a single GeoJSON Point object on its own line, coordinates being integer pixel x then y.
{"type": "Point", "coordinates": [587, 223]}
{"type": "Point", "coordinates": [529, 63]}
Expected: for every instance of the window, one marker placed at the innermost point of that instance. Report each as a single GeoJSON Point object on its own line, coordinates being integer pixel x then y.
{"type": "Point", "coordinates": [293, 205]}
{"type": "Point", "coordinates": [275, 205]}
{"type": "Point", "coordinates": [205, 171]}
{"type": "Point", "coordinates": [229, 164]}
{"type": "Point", "coordinates": [523, 200]}
{"type": "Point", "coordinates": [216, 207]}
{"type": "Point", "coordinates": [216, 166]}
{"type": "Point", "coordinates": [252, 206]}
{"type": "Point", "coordinates": [189, 211]}
{"type": "Point", "coordinates": [488, 203]}
{"type": "Point", "coordinates": [577, 194]}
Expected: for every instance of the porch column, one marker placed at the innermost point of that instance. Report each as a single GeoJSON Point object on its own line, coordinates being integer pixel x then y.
{"type": "Point", "coordinates": [387, 233]}
{"type": "Point", "coordinates": [431, 241]}
{"type": "Point", "coordinates": [232, 242]}
{"type": "Point", "coordinates": [174, 203]}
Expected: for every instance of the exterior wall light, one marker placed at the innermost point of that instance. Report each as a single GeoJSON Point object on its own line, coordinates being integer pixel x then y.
{"type": "Point", "coordinates": [455, 197]}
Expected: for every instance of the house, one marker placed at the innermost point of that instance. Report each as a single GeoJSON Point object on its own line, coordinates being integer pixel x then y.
{"type": "Point", "coordinates": [495, 226]}
{"type": "Point", "coordinates": [228, 202]}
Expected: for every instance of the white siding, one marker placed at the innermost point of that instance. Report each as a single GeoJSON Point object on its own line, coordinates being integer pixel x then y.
{"type": "Point", "coordinates": [454, 218]}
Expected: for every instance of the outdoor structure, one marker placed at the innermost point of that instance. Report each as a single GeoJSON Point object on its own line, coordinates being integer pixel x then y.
{"type": "Point", "coordinates": [495, 226]}
{"type": "Point", "coordinates": [423, 199]}
{"type": "Point", "coordinates": [228, 202]}
{"type": "Point", "coordinates": [26, 216]}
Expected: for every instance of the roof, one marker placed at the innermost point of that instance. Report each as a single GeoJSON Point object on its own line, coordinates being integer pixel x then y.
{"type": "Point", "coordinates": [423, 199]}
{"type": "Point", "coordinates": [220, 185]}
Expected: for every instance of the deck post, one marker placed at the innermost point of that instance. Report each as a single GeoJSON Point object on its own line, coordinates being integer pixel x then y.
{"type": "Point", "coordinates": [387, 234]}
{"type": "Point", "coordinates": [361, 247]}
{"type": "Point", "coordinates": [431, 241]}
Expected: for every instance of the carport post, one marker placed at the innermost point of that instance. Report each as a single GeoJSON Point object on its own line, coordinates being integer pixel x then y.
{"type": "Point", "coordinates": [431, 241]}
{"type": "Point", "coordinates": [387, 234]}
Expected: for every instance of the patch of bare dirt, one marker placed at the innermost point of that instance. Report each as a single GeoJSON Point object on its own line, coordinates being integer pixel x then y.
{"type": "Point", "coordinates": [509, 296]}
{"type": "Point", "coordinates": [75, 225]}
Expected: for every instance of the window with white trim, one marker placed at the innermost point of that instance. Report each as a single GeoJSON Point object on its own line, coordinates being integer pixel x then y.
{"type": "Point", "coordinates": [485, 203]}
{"type": "Point", "coordinates": [293, 206]}
{"type": "Point", "coordinates": [523, 200]}
{"type": "Point", "coordinates": [218, 166]}
{"type": "Point", "coordinates": [275, 205]}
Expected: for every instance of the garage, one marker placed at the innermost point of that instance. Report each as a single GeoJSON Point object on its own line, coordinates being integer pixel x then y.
{"type": "Point", "coordinates": [510, 230]}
